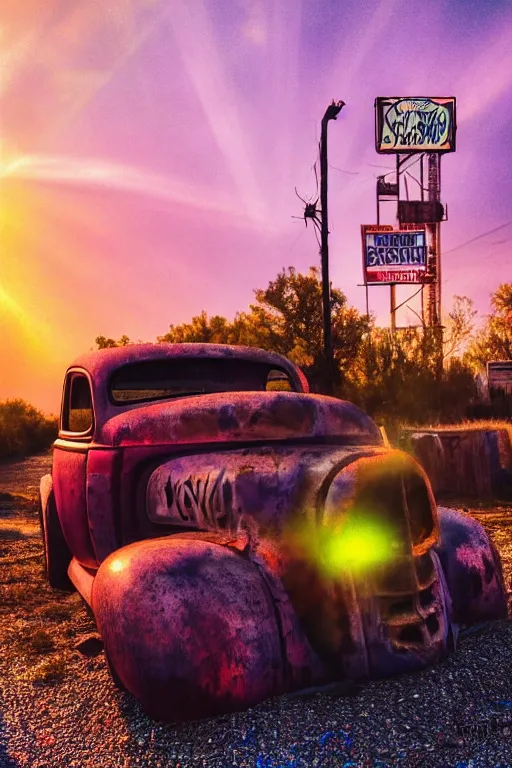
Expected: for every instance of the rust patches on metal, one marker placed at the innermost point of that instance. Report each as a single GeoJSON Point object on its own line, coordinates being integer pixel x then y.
{"type": "Point", "coordinates": [233, 603]}
{"type": "Point", "coordinates": [188, 615]}
{"type": "Point", "coordinates": [252, 416]}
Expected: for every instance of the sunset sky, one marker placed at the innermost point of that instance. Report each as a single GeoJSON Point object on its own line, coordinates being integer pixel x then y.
{"type": "Point", "coordinates": [149, 151]}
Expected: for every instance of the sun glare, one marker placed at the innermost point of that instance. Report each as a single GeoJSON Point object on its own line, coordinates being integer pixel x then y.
{"type": "Point", "coordinates": [12, 305]}
{"type": "Point", "coordinates": [360, 545]}
{"type": "Point", "coordinates": [356, 545]}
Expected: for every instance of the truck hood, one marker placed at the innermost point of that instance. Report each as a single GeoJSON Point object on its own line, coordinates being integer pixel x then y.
{"type": "Point", "coordinates": [241, 417]}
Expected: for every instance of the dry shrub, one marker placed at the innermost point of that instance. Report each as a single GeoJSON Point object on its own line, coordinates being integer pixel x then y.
{"type": "Point", "coordinates": [24, 430]}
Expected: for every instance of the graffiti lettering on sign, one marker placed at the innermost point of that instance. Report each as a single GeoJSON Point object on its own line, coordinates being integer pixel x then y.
{"type": "Point", "coordinates": [396, 276]}
{"type": "Point", "coordinates": [382, 257]}
{"type": "Point", "coordinates": [415, 124]}
{"type": "Point", "coordinates": [398, 239]}
{"type": "Point", "coordinates": [205, 501]}
{"type": "Point", "coordinates": [390, 256]}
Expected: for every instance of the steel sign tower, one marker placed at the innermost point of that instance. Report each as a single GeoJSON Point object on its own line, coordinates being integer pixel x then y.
{"type": "Point", "coordinates": [432, 307]}
{"type": "Point", "coordinates": [408, 127]}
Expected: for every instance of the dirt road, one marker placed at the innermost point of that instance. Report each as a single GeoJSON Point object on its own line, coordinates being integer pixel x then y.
{"type": "Point", "coordinates": [61, 710]}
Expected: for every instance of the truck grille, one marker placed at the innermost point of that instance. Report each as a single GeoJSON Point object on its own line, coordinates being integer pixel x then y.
{"type": "Point", "coordinates": [399, 602]}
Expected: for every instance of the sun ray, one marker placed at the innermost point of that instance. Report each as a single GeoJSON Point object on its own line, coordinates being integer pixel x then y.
{"type": "Point", "coordinates": [88, 172]}
{"type": "Point", "coordinates": [58, 40]}
{"type": "Point", "coordinates": [37, 334]}
{"type": "Point", "coordinates": [93, 82]}
{"type": "Point", "coordinates": [488, 75]}
{"type": "Point", "coordinates": [348, 67]}
{"type": "Point", "coordinates": [200, 53]}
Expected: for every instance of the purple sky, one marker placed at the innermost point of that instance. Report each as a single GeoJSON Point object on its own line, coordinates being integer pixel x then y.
{"type": "Point", "coordinates": [149, 153]}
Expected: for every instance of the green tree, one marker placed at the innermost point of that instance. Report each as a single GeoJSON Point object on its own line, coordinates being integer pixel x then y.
{"type": "Point", "coordinates": [394, 377]}
{"type": "Point", "coordinates": [396, 380]}
{"type": "Point", "coordinates": [393, 373]}
{"type": "Point", "coordinates": [494, 340]}
{"type": "Point", "coordinates": [286, 318]}
{"type": "Point", "coordinates": [459, 327]}
{"type": "Point", "coordinates": [102, 342]}
{"type": "Point", "coordinates": [201, 329]}
{"type": "Point", "coordinates": [291, 310]}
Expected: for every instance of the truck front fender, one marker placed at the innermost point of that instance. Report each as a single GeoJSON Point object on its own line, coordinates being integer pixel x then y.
{"type": "Point", "coordinates": [472, 567]}
{"type": "Point", "coordinates": [194, 628]}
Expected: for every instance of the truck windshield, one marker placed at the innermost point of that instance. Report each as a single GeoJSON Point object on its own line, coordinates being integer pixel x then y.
{"type": "Point", "coordinates": [181, 377]}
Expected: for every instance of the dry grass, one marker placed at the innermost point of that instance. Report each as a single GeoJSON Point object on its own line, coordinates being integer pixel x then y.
{"type": "Point", "coordinates": [20, 593]}
{"type": "Point", "coordinates": [48, 672]}
{"type": "Point", "coordinates": [38, 625]}
{"type": "Point", "coordinates": [404, 439]}
{"type": "Point", "coordinates": [57, 612]}
{"type": "Point", "coordinates": [41, 642]}
{"type": "Point", "coordinates": [468, 426]}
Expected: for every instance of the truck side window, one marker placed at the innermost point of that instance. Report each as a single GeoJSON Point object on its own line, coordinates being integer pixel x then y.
{"type": "Point", "coordinates": [278, 381]}
{"type": "Point", "coordinates": [77, 416]}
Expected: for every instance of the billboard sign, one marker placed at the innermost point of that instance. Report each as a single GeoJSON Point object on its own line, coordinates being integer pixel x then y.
{"type": "Point", "coordinates": [415, 124]}
{"type": "Point", "coordinates": [394, 255]}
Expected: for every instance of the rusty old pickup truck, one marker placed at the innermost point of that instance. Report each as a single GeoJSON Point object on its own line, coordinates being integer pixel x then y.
{"type": "Point", "coordinates": [237, 537]}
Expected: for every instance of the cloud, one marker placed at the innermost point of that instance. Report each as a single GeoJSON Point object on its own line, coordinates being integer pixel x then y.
{"type": "Point", "coordinates": [489, 75]}
{"type": "Point", "coordinates": [255, 26]}
{"type": "Point", "coordinates": [123, 178]}
{"type": "Point", "coordinates": [201, 55]}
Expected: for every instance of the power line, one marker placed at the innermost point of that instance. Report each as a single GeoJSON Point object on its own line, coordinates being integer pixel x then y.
{"type": "Point", "coordinates": [470, 263]}
{"type": "Point", "coordinates": [342, 170]}
{"type": "Point", "coordinates": [478, 257]}
{"type": "Point", "coordinates": [478, 237]}
{"type": "Point", "coordinates": [386, 167]}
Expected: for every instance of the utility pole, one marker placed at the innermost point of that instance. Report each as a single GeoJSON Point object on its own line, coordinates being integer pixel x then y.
{"type": "Point", "coordinates": [392, 307]}
{"type": "Point", "coordinates": [331, 113]}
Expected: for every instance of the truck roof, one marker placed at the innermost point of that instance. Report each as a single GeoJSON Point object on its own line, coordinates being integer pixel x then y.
{"type": "Point", "coordinates": [101, 363]}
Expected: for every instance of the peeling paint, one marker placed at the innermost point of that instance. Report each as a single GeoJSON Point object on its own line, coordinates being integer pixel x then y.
{"type": "Point", "coordinates": [236, 586]}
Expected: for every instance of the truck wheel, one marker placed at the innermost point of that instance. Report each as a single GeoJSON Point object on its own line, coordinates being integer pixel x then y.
{"type": "Point", "coordinates": [57, 555]}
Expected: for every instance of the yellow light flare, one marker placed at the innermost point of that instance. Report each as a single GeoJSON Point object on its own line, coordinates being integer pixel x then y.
{"type": "Point", "coordinates": [361, 544]}
{"type": "Point", "coordinates": [356, 544]}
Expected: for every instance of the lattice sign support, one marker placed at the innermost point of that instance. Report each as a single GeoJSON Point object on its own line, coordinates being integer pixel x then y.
{"type": "Point", "coordinates": [413, 129]}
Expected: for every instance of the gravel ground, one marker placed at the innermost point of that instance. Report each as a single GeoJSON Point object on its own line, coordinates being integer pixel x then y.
{"type": "Point", "coordinates": [60, 709]}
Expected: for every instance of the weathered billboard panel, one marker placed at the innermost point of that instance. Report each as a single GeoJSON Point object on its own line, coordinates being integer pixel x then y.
{"type": "Point", "coordinates": [394, 255]}
{"type": "Point", "coordinates": [499, 375]}
{"type": "Point", "coordinates": [416, 124]}
{"type": "Point", "coordinates": [420, 211]}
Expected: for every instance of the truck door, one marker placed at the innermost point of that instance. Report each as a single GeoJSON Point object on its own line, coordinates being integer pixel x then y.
{"type": "Point", "coordinates": [70, 462]}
